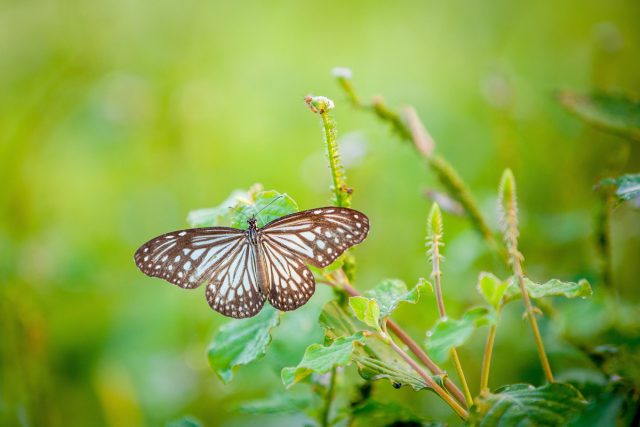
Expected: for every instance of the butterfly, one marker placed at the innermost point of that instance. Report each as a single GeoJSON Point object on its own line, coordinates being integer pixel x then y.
{"type": "Point", "coordinates": [244, 268]}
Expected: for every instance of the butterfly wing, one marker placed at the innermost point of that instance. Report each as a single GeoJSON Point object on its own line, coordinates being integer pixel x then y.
{"type": "Point", "coordinates": [221, 256]}
{"type": "Point", "coordinates": [290, 283]}
{"type": "Point", "coordinates": [317, 236]}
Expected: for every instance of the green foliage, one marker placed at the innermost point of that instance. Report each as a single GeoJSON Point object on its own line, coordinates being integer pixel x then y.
{"type": "Point", "coordinates": [492, 289]}
{"type": "Point", "coordinates": [375, 360]}
{"type": "Point", "coordinates": [552, 288]}
{"type": "Point", "coordinates": [391, 292]}
{"type": "Point", "coordinates": [281, 403]}
{"type": "Point", "coordinates": [240, 342]}
{"type": "Point", "coordinates": [373, 413]}
{"type": "Point", "coordinates": [627, 187]}
{"type": "Point", "coordinates": [184, 422]}
{"type": "Point", "coordinates": [525, 405]}
{"type": "Point", "coordinates": [242, 205]}
{"type": "Point", "coordinates": [321, 359]}
{"type": "Point", "coordinates": [366, 310]}
{"type": "Point", "coordinates": [614, 113]}
{"type": "Point", "coordinates": [450, 333]}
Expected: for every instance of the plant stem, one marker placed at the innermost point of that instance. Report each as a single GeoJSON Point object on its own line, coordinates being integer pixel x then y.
{"type": "Point", "coordinates": [431, 382]}
{"type": "Point", "coordinates": [406, 339]}
{"type": "Point", "coordinates": [486, 361]}
{"type": "Point", "coordinates": [329, 398]}
{"type": "Point", "coordinates": [509, 220]}
{"type": "Point", "coordinates": [603, 235]}
{"type": "Point", "coordinates": [434, 242]}
{"type": "Point", "coordinates": [534, 324]}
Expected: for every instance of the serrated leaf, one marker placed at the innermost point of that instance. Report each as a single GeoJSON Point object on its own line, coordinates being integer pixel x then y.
{"type": "Point", "coordinates": [524, 405]}
{"type": "Point", "coordinates": [375, 360]}
{"type": "Point", "coordinates": [450, 333]}
{"type": "Point", "coordinates": [280, 403]}
{"type": "Point", "coordinates": [241, 341]}
{"type": "Point", "coordinates": [552, 288]}
{"type": "Point", "coordinates": [320, 359]}
{"type": "Point", "coordinates": [492, 288]}
{"type": "Point", "coordinates": [366, 310]}
{"type": "Point", "coordinates": [627, 186]}
{"type": "Point", "coordinates": [391, 292]}
{"type": "Point", "coordinates": [614, 113]}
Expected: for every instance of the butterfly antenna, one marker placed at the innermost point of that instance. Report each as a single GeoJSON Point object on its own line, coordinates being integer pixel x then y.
{"type": "Point", "coordinates": [237, 209]}
{"type": "Point", "coordinates": [268, 204]}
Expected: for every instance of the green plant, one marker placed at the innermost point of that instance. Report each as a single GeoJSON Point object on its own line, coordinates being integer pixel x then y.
{"type": "Point", "coordinates": [359, 331]}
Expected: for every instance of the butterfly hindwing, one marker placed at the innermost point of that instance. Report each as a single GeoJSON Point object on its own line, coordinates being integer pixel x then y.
{"type": "Point", "coordinates": [233, 288]}
{"type": "Point", "coordinates": [290, 282]}
{"type": "Point", "coordinates": [318, 236]}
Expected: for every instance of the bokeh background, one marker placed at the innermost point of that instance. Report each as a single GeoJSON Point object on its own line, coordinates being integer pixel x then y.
{"type": "Point", "coordinates": [117, 118]}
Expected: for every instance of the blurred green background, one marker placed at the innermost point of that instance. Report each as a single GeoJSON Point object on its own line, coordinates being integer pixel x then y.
{"type": "Point", "coordinates": [117, 118]}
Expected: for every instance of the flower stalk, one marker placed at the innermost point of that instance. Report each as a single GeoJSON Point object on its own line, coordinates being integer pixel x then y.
{"type": "Point", "coordinates": [434, 243]}
{"type": "Point", "coordinates": [322, 105]}
{"type": "Point", "coordinates": [508, 208]}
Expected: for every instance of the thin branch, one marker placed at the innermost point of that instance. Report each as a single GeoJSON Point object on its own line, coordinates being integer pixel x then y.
{"type": "Point", "coordinates": [486, 360]}
{"type": "Point", "coordinates": [430, 381]}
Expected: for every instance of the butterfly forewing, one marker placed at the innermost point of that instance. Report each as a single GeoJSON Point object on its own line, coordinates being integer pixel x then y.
{"type": "Point", "coordinates": [185, 257]}
{"type": "Point", "coordinates": [317, 236]}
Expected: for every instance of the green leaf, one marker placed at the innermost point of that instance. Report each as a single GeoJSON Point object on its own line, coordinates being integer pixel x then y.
{"type": "Point", "coordinates": [391, 292]}
{"type": "Point", "coordinates": [524, 405]}
{"type": "Point", "coordinates": [266, 206]}
{"type": "Point", "coordinates": [366, 310]}
{"type": "Point", "coordinates": [373, 413]}
{"type": "Point", "coordinates": [552, 288]}
{"type": "Point", "coordinates": [613, 113]}
{"type": "Point", "coordinates": [320, 359]}
{"type": "Point", "coordinates": [184, 422]}
{"type": "Point", "coordinates": [375, 360]}
{"type": "Point", "coordinates": [281, 403]}
{"type": "Point", "coordinates": [450, 333]}
{"type": "Point", "coordinates": [242, 205]}
{"type": "Point", "coordinates": [492, 289]}
{"type": "Point", "coordinates": [627, 186]}
{"type": "Point", "coordinates": [240, 342]}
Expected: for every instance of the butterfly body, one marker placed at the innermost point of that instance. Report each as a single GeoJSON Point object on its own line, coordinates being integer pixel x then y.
{"type": "Point", "coordinates": [244, 268]}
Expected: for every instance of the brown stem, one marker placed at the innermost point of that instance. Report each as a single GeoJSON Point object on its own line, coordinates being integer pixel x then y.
{"type": "Point", "coordinates": [431, 382]}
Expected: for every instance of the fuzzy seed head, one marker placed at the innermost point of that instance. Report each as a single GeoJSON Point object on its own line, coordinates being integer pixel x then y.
{"type": "Point", "coordinates": [319, 104]}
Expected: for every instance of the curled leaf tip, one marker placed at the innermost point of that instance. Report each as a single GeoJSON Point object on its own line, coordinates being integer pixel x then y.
{"type": "Point", "coordinates": [319, 104]}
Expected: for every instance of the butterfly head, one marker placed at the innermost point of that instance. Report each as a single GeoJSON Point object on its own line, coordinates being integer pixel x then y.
{"type": "Point", "coordinates": [253, 223]}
